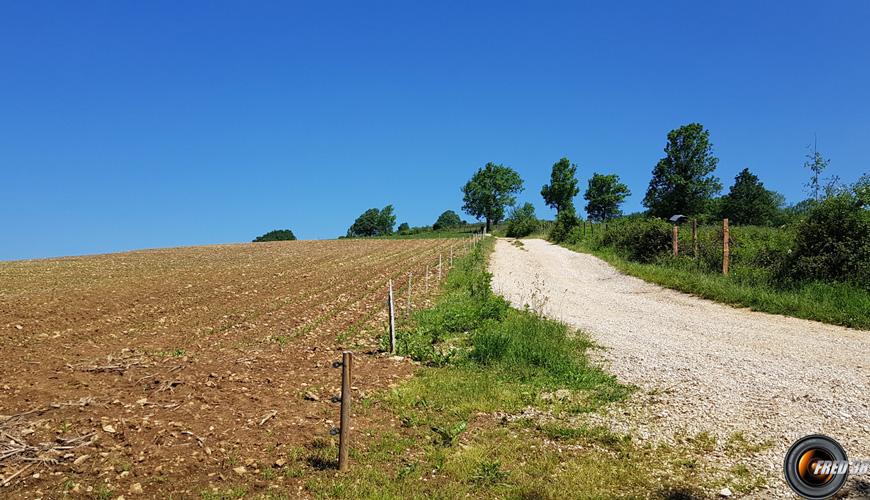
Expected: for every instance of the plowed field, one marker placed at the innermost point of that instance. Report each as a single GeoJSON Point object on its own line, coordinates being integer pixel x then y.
{"type": "Point", "coordinates": [182, 370]}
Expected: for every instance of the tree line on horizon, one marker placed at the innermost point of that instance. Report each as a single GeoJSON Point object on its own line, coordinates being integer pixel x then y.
{"type": "Point", "coordinates": [683, 182]}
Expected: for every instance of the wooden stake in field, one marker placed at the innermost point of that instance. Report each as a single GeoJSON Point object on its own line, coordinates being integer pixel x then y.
{"type": "Point", "coordinates": [392, 313]}
{"type": "Point", "coordinates": [344, 429]}
{"type": "Point", "coordinates": [451, 257]}
{"type": "Point", "coordinates": [427, 279]}
{"type": "Point", "coordinates": [726, 246]}
{"type": "Point", "coordinates": [695, 237]}
{"type": "Point", "coordinates": [408, 305]}
{"type": "Point", "coordinates": [439, 268]}
{"type": "Point", "coordinates": [675, 240]}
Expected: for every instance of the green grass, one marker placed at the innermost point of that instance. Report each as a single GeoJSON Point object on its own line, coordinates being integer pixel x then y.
{"type": "Point", "coordinates": [479, 419]}
{"type": "Point", "coordinates": [834, 303]}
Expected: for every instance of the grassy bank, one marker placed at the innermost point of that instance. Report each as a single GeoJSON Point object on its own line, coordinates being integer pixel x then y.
{"type": "Point", "coordinates": [749, 284]}
{"type": "Point", "coordinates": [496, 410]}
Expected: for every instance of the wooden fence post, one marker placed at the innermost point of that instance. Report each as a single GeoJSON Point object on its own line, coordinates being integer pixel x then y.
{"type": "Point", "coordinates": [726, 246]}
{"type": "Point", "coordinates": [584, 228]}
{"type": "Point", "coordinates": [439, 268]}
{"type": "Point", "coordinates": [675, 240]}
{"type": "Point", "coordinates": [695, 237]}
{"type": "Point", "coordinates": [427, 279]}
{"type": "Point", "coordinates": [392, 320]}
{"type": "Point", "coordinates": [344, 429]}
{"type": "Point", "coordinates": [451, 257]}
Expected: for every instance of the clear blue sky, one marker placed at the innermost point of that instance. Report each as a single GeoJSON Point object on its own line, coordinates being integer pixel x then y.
{"type": "Point", "coordinates": [146, 124]}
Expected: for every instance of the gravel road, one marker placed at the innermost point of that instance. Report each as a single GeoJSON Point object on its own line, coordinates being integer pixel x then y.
{"type": "Point", "coordinates": [701, 366]}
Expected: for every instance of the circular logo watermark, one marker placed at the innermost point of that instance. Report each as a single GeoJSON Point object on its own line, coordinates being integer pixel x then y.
{"type": "Point", "coordinates": [816, 467]}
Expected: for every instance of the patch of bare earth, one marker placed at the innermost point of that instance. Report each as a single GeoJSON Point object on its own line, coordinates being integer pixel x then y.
{"type": "Point", "coordinates": [703, 367]}
{"type": "Point", "coordinates": [170, 372]}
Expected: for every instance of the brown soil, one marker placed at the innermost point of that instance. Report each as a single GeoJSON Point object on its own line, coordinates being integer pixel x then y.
{"type": "Point", "coordinates": [173, 369]}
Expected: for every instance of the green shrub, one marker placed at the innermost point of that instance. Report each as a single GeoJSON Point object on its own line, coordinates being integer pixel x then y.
{"type": "Point", "coordinates": [522, 221]}
{"type": "Point", "coordinates": [832, 243]}
{"type": "Point", "coordinates": [276, 235]}
{"type": "Point", "coordinates": [566, 222]}
{"type": "Point", "coordinates": [636, 238]}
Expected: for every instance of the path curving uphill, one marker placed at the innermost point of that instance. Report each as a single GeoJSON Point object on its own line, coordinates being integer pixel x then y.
{"type": "Point", "coordinates": [701, 366]}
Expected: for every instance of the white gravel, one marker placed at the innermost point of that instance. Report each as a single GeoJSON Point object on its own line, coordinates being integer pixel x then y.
{"type": "Point", "coordinates": [701, 366]}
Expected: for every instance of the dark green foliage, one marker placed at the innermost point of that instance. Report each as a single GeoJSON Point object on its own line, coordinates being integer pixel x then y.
{"type": "Point", "coordinates": [604, 196]}
{"type": "Point", "coordinates": [639, 239]}
{"type": "Point", "coordinates": [404, 228]}
{"type": "Point", "coordinates": [522, 221]}
{"type": "Point", "coordinates": [562, 189]}
{"type": "Point", "coordinates": [793, 213]}
{"type": "Point", "coordinates": [748, 202]}
{"type": "Point", "coordinates": [566, 221]}
{"type": "Point", "coordinates": [447, 220]}
{"type": "Point", "coordinates": [832, 242]}
{"type": "Point", "coordinates": [276, 235]}
{"type": "Point", "coordinates": [683, 180]}
{"type": "Point", "coordinates": [489, 191]}
{"type": "Point", "coordinates": [373, 222]}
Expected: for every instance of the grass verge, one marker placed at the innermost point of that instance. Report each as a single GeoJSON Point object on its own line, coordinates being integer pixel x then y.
{"type": "Point", "coordinates": [834, 303]}
{"type": "Point", "coordinates": [496, 411]}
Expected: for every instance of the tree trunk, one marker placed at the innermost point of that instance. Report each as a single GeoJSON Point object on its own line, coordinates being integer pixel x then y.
{"type": "Point", "coordinates": [487, 225]}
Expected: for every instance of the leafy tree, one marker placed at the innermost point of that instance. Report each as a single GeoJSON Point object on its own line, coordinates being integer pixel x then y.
{"type": "Point", "coordinates": [522, 221]}
{"type": "Point", "coordinates": [386, 220]}
{"type": "Point", "coordinates": [373, 222]}
{"type": "Point", "coordinates": [604, 196]}
{"type": "Point", "coordinates": [562, 189]}
{"type": "Point", "coordinates": [748, 202]}
{"type": "Point", "coordinates": [489, 191]}
{"type": "Point", "coordinates": [447, 220]}
{"type": "Point", "coordinates": [817, 164]}
{"type": "Point", "coordinates": [276, 235]}
{"type": "Point", "coordinates": [404, 228]}
{"type": "Point", "coordinates": [683, 180]}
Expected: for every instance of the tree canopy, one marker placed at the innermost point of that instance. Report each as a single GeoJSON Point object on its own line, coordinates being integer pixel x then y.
{"type": "Point", "coordinates": [276, 235]}
{"type": "Point", "coordinates": [373, 222]}
{"type": "Point", "coordinates": [683, 180]}
{"type": "Point", "coordinates": [562, 189]}
{"type": "Point", "coordinates": [446, 220]}
{"type": "Point", "coordinates": [604, 196]}
{"type": "Point", "coordinates": [489, 191]}
{"type": "Point", "coordinates": [748, 202]}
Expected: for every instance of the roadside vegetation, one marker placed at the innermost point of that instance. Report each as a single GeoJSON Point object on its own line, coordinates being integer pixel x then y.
{"type": "Point", "coordinates": [497, 410]}
{"type": "Point", "coordinates": [810, 260]}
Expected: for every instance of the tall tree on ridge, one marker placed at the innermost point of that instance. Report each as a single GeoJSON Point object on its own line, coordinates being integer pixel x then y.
{"type": "Point", "coordinates": [683, 180]}
{"type": "Point", "coordinates": [562, 189]}
{"type": "Point", "coordinates": [489, 191]}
